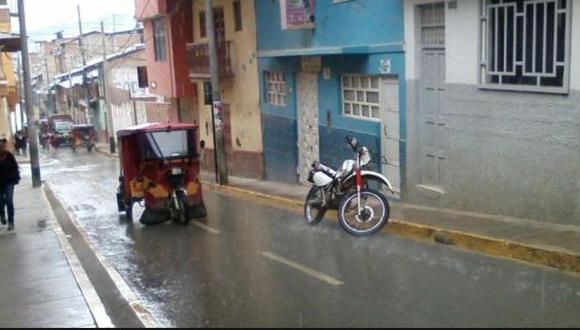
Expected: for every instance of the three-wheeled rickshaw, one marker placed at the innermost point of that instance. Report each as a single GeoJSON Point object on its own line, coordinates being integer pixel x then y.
{"type": "Point", "coordinates": [62, 133]}
{"type": "Point", "coordinates": [84, 137]}
{"type": "Point", "coordinates": [160, 165]}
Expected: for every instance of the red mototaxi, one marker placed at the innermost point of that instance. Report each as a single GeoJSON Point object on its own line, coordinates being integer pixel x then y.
{"type": "Point", "coordinates": [160, 165]}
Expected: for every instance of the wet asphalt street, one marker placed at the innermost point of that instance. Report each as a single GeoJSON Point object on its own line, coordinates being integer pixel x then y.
{"type": "Point", "coordinates": [255, 265]}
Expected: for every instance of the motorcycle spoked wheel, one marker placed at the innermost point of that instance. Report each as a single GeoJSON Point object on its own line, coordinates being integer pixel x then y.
{"type": "Point", "coordinates": [313, 210]}
{"type": "Point", "coordinates": [374, 216]}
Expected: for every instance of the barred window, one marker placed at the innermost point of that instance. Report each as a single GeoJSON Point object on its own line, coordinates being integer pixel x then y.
{"type": "Point", "coordinates": [276, 88]}
{"type": "Point", "coordinates": [525, 45]}
{"type": "Point", "coordinates": [360, 96]}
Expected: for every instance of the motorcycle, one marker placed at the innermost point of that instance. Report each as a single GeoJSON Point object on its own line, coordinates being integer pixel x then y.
{"type": "Point", "coordinates": [45, 141]}
{"type": "Point", "coordinates": [362, 209]}
{"type": "Point", "coordinates": [88, 143]}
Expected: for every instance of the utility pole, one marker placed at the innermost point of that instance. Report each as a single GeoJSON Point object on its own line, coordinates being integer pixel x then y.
{"type": "Point", "coordinates": [48, 89]}
{"type": "Point", "coordinates": [217, 105]}
{"type": "Point", "coordinates": [110, 130]}
{"type": "Point", "coordinates": [32, 134]}
{"type": "Point", "coordinates": [70, 89]}
{"type": "Point", "coordinates": [21, 89]}
{"type": "Point", "coordinates": [89, 115]}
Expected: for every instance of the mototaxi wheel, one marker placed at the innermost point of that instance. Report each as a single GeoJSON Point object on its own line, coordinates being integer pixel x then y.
{"type": "Point", "coordinates": [313, 210]}
{"type": "Point", "coordinates": [374, 216]}
{"type": "Point", "coordinates": [129, 211]}
{"type": "Point", "coordinates": [183, 214]}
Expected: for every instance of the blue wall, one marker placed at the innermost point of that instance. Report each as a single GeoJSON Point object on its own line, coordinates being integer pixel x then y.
{"type": "Point", "coordinates": [351, 23]}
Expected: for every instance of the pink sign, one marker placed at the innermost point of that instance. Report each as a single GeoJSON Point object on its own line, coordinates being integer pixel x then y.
{"type": "Point", "coordinates": [297, 14]}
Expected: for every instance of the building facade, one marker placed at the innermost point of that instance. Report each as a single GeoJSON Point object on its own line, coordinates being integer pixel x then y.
{"type": "Point", "coordinates": [179, 70]}
{"type": "Point", "coordinates": [9, 96]}
{"type": "Point", "coordinates": [168, 30]}
{"type": "Point", "coordinates": [235, 26]}
{"type": "Point", "coordinates": [129, 99]}
{"type": "Point", "coordinates": [494, 107]}
{"type": "Point", "coordinates": [330, 69]}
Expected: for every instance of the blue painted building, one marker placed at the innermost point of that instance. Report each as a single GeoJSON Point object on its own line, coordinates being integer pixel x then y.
{"type": "Point", "coordinates": [332, 70]}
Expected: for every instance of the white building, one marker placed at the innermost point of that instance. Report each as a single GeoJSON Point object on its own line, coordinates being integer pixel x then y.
{"type": "Point", "coordinates": [494, 106]}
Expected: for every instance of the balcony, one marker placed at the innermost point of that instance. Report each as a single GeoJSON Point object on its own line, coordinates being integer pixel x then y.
{"type": "Point", "coordinates": [198, 55]}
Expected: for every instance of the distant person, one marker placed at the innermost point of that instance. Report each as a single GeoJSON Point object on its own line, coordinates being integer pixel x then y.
{"type": "Point", "coordinates": [9, 177]}
{"type": "Point", "coordinates": [17, 143]}
{"type": "Point", "coordinates": [24, 142]}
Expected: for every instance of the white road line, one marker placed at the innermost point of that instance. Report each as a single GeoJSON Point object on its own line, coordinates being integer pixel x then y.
{"type": "Point", "coordinates": [207, 228]}
{"type": "Point", "coordinates": [308, 271]}
{"type": "Point", "coordinates": [92, 299]}
{"type": "Point", "coordinates": [146, 318]}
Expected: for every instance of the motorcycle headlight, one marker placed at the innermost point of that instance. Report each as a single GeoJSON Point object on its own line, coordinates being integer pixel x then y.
{"type": "Point", "coordinates": [176, 171]}
{"type": "Point", "coordinates": [365, 157]}
{"type": "Point", "coordinates": [347, 167]}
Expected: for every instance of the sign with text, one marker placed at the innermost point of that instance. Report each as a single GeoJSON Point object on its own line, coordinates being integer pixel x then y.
{"type": "Point", "coordinates": [297, 14]}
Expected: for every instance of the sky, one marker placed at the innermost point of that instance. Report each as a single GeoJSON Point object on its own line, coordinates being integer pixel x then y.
{"type": "Point", "coordinates": [46, 17]}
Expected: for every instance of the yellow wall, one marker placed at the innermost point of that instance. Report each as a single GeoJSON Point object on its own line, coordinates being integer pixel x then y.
{"type": "Point", "coordinates": [242, 92]}
{"type": "Point", "coordinates": [8, 80]}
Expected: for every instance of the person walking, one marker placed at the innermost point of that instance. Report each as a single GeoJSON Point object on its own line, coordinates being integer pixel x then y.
{"type": "Point", "coordinates": [17, 143]}
{"type": "Point", "coordinates": [9, 177]}
{"type": "Point", "coordinates": [24, 142]}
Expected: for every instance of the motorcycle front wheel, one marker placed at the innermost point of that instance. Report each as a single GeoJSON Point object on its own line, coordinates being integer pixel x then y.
{"type": "Point", "coordinates": [374, 213]}
{"type": "Point", "coordinates": [313, 210]}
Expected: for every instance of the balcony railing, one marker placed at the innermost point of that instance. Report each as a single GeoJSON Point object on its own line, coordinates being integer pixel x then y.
{"type": "Point", "coordinates": [198, 55]}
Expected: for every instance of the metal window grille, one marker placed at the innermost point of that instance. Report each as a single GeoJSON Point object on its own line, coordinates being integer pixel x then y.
{"type": "Point", "coordinates": [525, 44]}
{"type": "Point", "coordinates": [360, 96]}
{"type": "Point", "coordinates": [276, 88]}
{"type": "Point", "coordinates": [433, 25]}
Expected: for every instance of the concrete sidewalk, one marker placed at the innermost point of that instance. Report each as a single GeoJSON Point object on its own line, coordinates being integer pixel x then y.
{"type": "Point", "coordinates": [22, 159]}
{"type": "Point", "coordinates": [37, 285]}
{"type": "Point", "coordinates": [531, 241]}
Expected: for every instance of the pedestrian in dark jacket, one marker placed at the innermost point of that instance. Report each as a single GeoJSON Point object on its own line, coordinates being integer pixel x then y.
{"type": "Point", "coordinates": [9, 177]}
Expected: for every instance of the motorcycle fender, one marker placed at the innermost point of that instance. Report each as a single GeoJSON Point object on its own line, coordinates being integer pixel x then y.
{"type": "Point", "coordinates": [376, 176]}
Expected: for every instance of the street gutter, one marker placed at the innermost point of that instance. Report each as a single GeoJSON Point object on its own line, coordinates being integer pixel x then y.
{"type": "Point", "coordinates": [121, 303]}
{"type": "Point", "coordinates": [510, 249]}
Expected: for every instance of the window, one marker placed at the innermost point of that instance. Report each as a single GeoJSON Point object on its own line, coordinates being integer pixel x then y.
{"type": "Point", "coordinates": [433, 25]}
{"type": "Point", "coordinates": [276, 88]}
{"type": "Point", "coordinates": [202, 29]}
{"type": "Point", "coordinates": [167, 145]}
{"type": "Point", "coordinates": [159, 40]}
{"type": "Point", "coordinates": [238, 14]}
{"type": "Point", "coordinates": [142, 77]}
{"type": "Point", "coordinates": [219, 24]}
{"type": "Point", "coordinates": [360, 96]}
{"type": "Point", "coordinates": [525, 44]}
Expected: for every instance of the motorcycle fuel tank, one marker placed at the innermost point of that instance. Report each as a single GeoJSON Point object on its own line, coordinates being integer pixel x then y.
{"type": "Point", "coordinates": [320, 179]}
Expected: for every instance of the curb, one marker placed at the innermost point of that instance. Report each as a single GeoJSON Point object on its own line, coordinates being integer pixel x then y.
{"type": "Point", "coordinates": [514, 250]}
{"type": "Point", "coordinates": [90, 295]}
{"type": "Point", "coordinates": [106, 153]}
{"type": "Point", "coordinates": [129, 298]}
